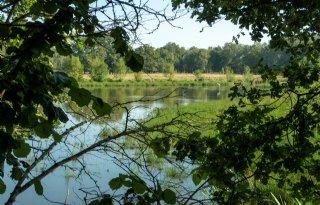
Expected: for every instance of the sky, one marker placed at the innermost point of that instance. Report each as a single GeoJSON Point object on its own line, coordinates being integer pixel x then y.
{"type": "Point", "coordinates": [190, 34]}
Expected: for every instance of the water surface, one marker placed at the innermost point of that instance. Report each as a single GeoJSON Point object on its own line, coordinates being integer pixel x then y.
{"type": "Point", "coordinates": [71, 185]}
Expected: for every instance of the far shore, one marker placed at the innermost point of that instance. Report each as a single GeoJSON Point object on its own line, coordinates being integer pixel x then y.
{"type": "Point", "coordinates": [178, 79]}
{"type": "Point", "coordinates": [175, 77]}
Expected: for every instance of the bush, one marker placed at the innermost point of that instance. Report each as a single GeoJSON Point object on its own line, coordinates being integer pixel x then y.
{"type": "Point", "coordinates": [169, 71]}
{"type": "Point", "coordinates": [99, 70]}
{"type": "Point", "coordinates": [247, 76]}
{"type": "Point", "coordinates": [229, 74]}
{"type": "Point", "coordinates": [138, 76]}
{"type": "Point", "coordinates": [198, 74]}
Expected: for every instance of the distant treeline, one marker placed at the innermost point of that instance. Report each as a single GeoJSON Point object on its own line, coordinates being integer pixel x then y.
{"type": "Point", "coordinates": [213, 59]}
{"type": "Point", "coordinates": [101, 60]}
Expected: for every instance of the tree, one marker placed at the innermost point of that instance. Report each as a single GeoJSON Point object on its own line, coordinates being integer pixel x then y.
{"type": "Point", "coordinates": [215, 60]}
{"type": "Point", "coordinates": [151, 58]}
{"type": "Point", "coordinates": [168, 70]}
{"type": "Point", "coordinates": [194, 59]}
{"type": "Point", "coordinates": [119, 69]}
{"type": "Point", "coordinates": [99, 69]}
{"type": "Point", "coordinates": [72, 66]}
{"type": "Point", "coordinates": [31, 31]}
{"type": "Point", "coordinates": [257, 145]}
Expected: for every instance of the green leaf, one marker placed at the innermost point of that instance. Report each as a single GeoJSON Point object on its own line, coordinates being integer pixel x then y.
{"type": "Point", "coordinates": [115, 183]}
{"type": "Point", "coordinates": [95, 202]}
{"type": "Point", "coordinates": [106, 200]}
{"type": "Point", "coordinates": [196, 179]}
{"type": "Point", "coordinates": [16, 173]}
{"type": "Point", "coordinates": [89, 42]}
{"type": "Point", "coordinates": [120, 40]}
{"type": "Point", "coordinates": [101, 107]}
{"type": "Point", "coordinates": [64, 80]}
{"type": "Point", "coordinates": [169, 196]}
{"type": "Point", "coordinates": [38, 187]}
{"type": "Point", "coordinates": [56, 136]}
{"type": "Point", "coordinates": [127, 183]}
{"type": "Point", "coordinates": [22, 151]}
{"type": "Point", "coordinates": [2, 187]}
{"type": "Point", "coordinates": [80, 95]}
{"type": "Point", "coordinates": [43, 130]}
{"type": "Point", "coordinates": [138, 187]}
{"type": "Point", "coordinates": [50, 7]}
{"type": "Point", "coordinates": [160, 146]}
{"type": "Point", "coordinates": [134, 61]}
{"type": "Point", "coordinates": [79, 43]}
{"type": "Point", "coordinates": [63, 49]}
{"type": "Point", "coordinates": [195, 135]}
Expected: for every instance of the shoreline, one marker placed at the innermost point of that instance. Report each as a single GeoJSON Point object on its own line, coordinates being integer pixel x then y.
{"type": "Point", "coordinates": [160, 79]}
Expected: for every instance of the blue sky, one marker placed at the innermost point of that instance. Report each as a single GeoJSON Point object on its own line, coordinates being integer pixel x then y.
{"type": "Point", "coordinates": [189, 35]}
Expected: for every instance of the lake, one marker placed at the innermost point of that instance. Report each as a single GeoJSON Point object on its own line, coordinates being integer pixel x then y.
{"type": "Point", "coordinates": [88, 177]}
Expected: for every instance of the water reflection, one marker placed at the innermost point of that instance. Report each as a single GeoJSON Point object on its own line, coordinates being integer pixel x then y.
{"type": "Point", "coordinates": [181, 95]}
{"type": "Point", "coordinates": [143, 100]}
{"type": "Point", "coordinates": [63, 184]}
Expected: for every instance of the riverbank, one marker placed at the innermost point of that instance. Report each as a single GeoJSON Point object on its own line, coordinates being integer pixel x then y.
{"type": "Point", "coordinates": [160, 79]}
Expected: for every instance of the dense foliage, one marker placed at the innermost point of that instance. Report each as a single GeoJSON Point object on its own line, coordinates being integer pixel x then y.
{"type": "Point", "coordinates": [33, 32]}
{"type": "Point", "coordinates": [158, 60]}
{"type": "Point", "coordinates": [213, 59]}
{"type": "Point", "coordinates": [257, 144]}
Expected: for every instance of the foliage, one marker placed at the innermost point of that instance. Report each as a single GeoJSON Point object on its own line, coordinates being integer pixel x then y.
{"type": "Point", "coordinates": [138, 192]}
{"type": "Point", "coordinates": [138, 76]}
{"type": "Point", "coordinates": [213, 59]}
{"type": "Point", "coordinates": [247, 76]}
{"type": "Point", "coordinates": [72, 66]}
{"type": "Point", "coordinates": [120, 69]}
{"type": "Point", "coordinates": [198, 75]}
{"type": "Point", "coordinates": [229, 73]}
{"type": "Point", "coordinates": [168, 71]}
{"type": "Point", "coordinates": [252, 143]}
{"type": "Point", "coordinates": [99, 70]}
{"type": "Point", "coordinates": [31, 89]}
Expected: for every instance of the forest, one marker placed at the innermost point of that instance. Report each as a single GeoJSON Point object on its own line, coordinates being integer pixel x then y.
{"type": "Point", "coordinates": [102, 59]}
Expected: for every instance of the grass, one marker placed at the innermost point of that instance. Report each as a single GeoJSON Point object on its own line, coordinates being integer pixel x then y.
{"type": "Point", "coordinates": [148, 83]}
{"type": "Point", "coordinates": [203, 115]}
{"type": "Point", "coordinates": [200, 115]}
{"type": "Point", "coordinates": [159, 79]}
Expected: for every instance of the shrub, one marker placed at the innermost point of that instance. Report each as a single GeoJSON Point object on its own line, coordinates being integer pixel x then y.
{"type": "Point", "coordinates": [198, 74]}
{"type": "Point", "coordinates": [229, 74]}
{"type": "Point", "coordinates": [138, 76]}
